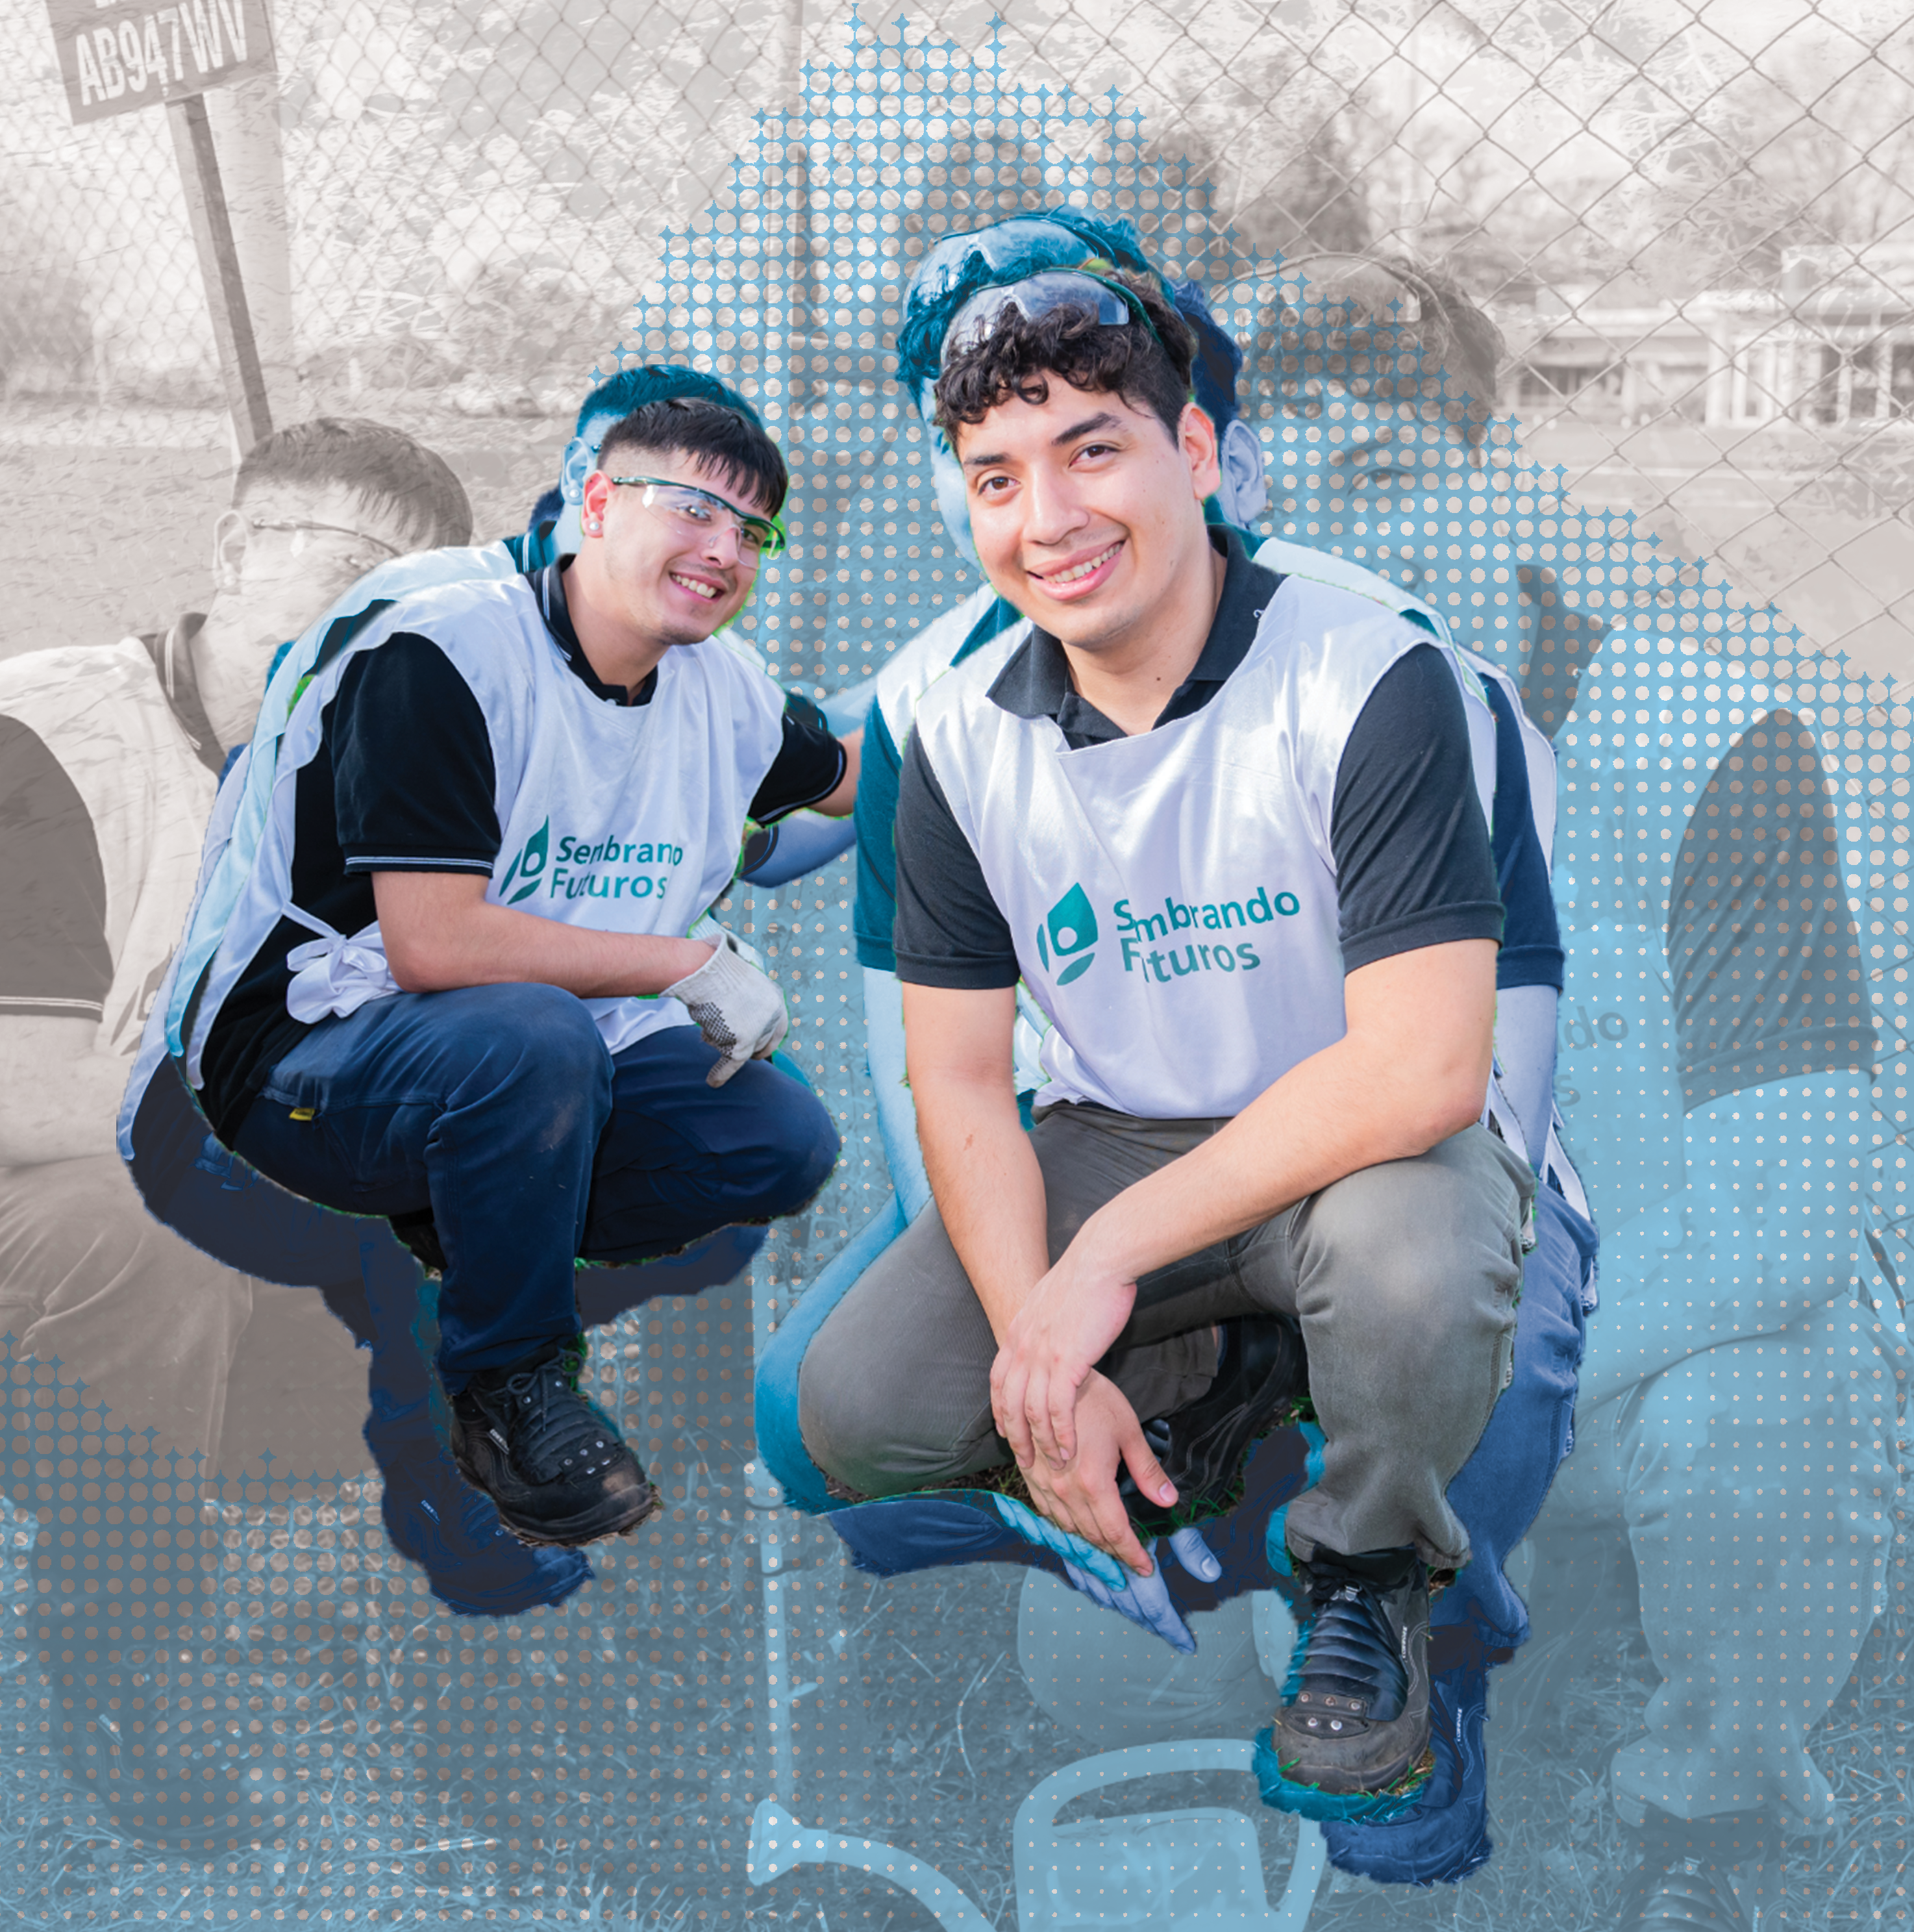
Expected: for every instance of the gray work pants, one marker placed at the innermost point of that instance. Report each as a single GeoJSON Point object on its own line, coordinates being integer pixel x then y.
{"type": "Point", "coordinates": [1404, 1277]}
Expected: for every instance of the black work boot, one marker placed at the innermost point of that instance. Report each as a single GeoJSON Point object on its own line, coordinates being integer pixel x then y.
{"type": "Point", "coordinates": [1355, 1719]}
{"type": "Point", "coordinates": [1703, 1875]}
{"type": "Point", "coordinates": [1205, 1448]}
{"type": "Point", "coordinates": [546, 1453]}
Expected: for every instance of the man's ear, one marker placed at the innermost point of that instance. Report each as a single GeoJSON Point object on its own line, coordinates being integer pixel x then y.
{"type": "Point", "coordinates": [1195, 435]}
{"type": "Point", "coordinates": [231, 535]}
{"type": "Point", "coordinates": [580, 459]}
{"type": "Point", "coordinates": [1245, 491]}
{"type": "Point", "coordinates": [594, 493]}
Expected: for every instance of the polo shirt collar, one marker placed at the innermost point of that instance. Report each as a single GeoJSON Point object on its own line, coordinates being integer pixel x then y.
{"type": "Point", "coordinates": [172, 653]}
{"type": "Point", "coordinates": [1036, 682]}
{"type": "Point", "coordinates": [549, 583]}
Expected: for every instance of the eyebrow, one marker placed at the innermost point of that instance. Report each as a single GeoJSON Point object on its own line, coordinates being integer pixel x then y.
{"type": "Point", "coordinates": [1352, 452]}
{"type": "Point", "coordinates": [1103, 419]}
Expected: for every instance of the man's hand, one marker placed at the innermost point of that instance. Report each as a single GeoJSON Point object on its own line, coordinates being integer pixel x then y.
{"type": "Point", "coordinates": [1057, 1336]}
{"type": "Point", "coordinates": [1083, 1499]}
{"type": "Point", "coordinates": [738, 1009]}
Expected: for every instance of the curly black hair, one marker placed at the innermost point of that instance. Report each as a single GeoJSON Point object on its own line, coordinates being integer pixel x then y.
{"type": "Point", "coordinates": [1149, 371]}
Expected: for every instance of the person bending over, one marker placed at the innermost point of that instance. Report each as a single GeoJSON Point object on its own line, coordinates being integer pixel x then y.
{"type": "Point", "coordinates": [1224, 827]}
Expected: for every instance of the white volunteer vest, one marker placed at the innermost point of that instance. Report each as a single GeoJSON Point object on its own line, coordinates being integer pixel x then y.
{"type": "Point", "coordinates": [103, 714]}
{"type": "Point", "coordinates": [917, 665]}
{"type": "Point", "coordinates": [622, 818]}
{"type": "Point", "coordinates": [1172, 896]}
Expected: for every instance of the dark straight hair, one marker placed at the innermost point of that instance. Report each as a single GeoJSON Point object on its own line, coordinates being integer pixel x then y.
{"type": "Point", "coordinates": [721, 440]}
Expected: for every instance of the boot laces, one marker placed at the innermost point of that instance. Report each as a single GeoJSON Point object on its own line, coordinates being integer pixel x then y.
{"type": "Point", "coordinates": [558, 1430]}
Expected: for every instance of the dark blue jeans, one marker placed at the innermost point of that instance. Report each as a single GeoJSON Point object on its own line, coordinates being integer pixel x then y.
{"type": "Point", "coordinates": [498, 1109]}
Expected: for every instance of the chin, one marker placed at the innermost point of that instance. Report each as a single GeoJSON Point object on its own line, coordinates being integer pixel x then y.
{"type": "Point", "coordinates": [1089, 628]}
{"type": "Point", "coordinates": [695, 630]}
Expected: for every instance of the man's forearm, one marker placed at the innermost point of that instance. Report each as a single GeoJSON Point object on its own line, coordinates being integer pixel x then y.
{"type": "Point", "coordinates": [1315, 1125]}
{"type": "Point", "coordinates": [1379, 1093]}
{"type": "Point", "coordinates": [442, 935]}
{"type": "Point", "coordinates": [989, 1189]}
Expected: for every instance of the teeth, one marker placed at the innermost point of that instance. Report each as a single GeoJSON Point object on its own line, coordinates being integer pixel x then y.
{"type": "Point", "coordinates": [1081, 570]}
{"type": "Point", "coordinates": [704, 590]}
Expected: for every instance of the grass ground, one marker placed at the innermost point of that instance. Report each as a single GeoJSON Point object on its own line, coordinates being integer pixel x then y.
{"type": "Point", "coordinates": [926, 1738]}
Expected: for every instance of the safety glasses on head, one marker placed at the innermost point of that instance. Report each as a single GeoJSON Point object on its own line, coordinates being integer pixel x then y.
{"type": "Point", "coordinates": [1041, 295]}
{"type": "Point", "coordinates": [1023, 244]}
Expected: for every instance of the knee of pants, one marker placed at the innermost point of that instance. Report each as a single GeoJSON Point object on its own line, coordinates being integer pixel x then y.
{"type": "Point", "coordinates": [771, 1162]}
{"type": "Point", "coordinates": [847, 1414]}
{"type": "Point", "coordinates": [803, 1150]}
{"type": "Point", "coordinates": [537, 1040]}
{"type": "Point", "coordinates": [1774, 1428]}
{"type": "Point", "coordinates": [1418, 1249]}
{"type": "Point", "coordinates": [1406, 1295]}
{"type": "Point", "coordinates": [71, 1230]}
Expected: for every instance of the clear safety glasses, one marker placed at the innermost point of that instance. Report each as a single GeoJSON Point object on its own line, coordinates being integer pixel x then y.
{"type": "Point", "coordinates": [366, 550]}
{"type": "Point", "coordinates": [699, 512]}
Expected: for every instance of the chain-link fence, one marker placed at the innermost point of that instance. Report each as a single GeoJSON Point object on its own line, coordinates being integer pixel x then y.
{"type": "Point", "coordinates": [1693, 233]}
{"type": "Point", "coordinates": [1691, 228]}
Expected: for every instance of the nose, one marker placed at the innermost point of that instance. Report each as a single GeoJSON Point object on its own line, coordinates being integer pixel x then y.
{"type": "Point", "coordinates": [1051, 511]}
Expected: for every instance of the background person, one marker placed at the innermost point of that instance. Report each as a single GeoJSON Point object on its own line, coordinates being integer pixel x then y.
{"type": "Point", "coordinates": [108, 761]}
{"type": "Point", "coordinates": [1736, 1449]}
{"type": "Point", "coordinates": [1724, 1354]}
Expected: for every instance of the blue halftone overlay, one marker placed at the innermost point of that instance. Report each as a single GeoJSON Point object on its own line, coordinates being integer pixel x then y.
{"type": "Point", "coordinates": [231, 1698]}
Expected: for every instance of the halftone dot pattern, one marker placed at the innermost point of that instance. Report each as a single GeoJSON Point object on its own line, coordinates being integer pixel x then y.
{"type": "Point", "coordinates": [398, 1758]}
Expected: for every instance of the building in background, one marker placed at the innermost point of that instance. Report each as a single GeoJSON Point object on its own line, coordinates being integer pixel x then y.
{"type": "Point", "coordinates": [1830, 346]}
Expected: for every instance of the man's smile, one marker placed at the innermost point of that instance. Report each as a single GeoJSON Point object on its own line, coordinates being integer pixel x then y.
{"type": "Point", "coordinates": [1068, 576]}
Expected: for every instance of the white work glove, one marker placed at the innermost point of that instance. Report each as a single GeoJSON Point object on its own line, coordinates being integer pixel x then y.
{"type": "Point", "coordinates": [738, 1008]}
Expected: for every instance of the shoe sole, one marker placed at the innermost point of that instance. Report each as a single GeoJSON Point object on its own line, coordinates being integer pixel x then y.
{"type": "Point", "coordinates": [1280, 1793]}
{"type": "Point", "coordinates": [574, 1532]}
{"type": "Point", "coordinates": [1335, 1784]}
